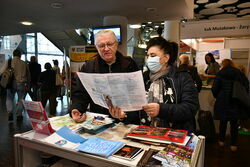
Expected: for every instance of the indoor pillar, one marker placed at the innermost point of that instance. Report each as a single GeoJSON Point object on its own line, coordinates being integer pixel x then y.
{"type": "Point", "coordinates": [172, 31]}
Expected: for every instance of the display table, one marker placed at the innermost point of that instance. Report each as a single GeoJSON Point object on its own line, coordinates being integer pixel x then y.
{"type": "Point", "coordinates": [30, 145]}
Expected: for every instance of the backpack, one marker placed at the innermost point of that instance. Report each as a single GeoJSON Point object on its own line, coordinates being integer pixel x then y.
{"type": "Point", "coordinates": [7, 76]}
{"type": "Point", "coordinates": [206, 124]}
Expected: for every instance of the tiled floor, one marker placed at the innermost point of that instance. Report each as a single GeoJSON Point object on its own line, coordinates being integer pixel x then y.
{"type": "Point", "coordinates": [214, 156]}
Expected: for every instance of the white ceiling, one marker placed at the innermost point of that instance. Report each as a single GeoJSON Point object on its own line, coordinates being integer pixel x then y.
{"type": "Point", "coordinates": [83, 13]}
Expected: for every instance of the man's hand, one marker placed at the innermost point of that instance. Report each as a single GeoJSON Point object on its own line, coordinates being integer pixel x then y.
{"type": "Point", "coordinates": [116, 112]}
{"type": "Point", "coordinates": [77, 116]}
{"type": "Point", "coordinates": [152, 109]}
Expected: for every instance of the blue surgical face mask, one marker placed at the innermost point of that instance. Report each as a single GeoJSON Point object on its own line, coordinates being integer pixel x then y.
{"type": "Point", "coordinates": [154, 64]}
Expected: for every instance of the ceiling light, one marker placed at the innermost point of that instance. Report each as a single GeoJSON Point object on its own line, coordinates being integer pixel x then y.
{"type": "Point", "coordinates": [27, 23]}
{"type": "Point", "coordinates": [151, 9]}
{"type": "Point", "coordinates": [56, 5]}
{"type": "Point", "coordinates": [134, 26]}
{"type": "Point", "coordinates": [149, 22]}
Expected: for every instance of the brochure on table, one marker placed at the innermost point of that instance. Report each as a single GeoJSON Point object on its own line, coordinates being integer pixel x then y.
{"type": "Point", "coordinates": [158, 134]}
{"type": "Point", "coordinates": [38, 117]}
{"type": "Point", "coordinates": [128, 152]}
{"type": "Point", "coordinates": [94, 123]}
{"type": "Point", "coordinates": [66, 138]}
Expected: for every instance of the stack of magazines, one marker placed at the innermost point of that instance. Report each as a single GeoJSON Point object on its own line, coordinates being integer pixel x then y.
{"type": "Point", "coordinates": [175, 155]}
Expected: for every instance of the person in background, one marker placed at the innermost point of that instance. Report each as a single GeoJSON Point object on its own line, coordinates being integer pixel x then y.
{"type": "Point", "coordinates": [3, 91]}
{"type": "Point", "coordinates": [108, 60]}
{"type": "Point", "coordinates": [172, 96]}
{"type": "Point", "coordinates": [212, 68]}
{"type": "Point", "coordinates": [244, 123]}
{"type": "Point", "coordinates": [192, 70]}
{"type": "Point", "coordinates": [35, 71]}
{"type": "Point", "coordinates": [57, 69]}
{"type": "Point", "coordinates": [66, 78]}
{"type": "Point", "coordinates": [20, 86]}
{"type": "Point", "coordinates": [47, 82]}
{"type": "Point", "coordinates": [227, 109]}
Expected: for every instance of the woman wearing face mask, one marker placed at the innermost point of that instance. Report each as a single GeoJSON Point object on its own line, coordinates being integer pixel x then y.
{"type": "Point", "coordinates": [172, 96]}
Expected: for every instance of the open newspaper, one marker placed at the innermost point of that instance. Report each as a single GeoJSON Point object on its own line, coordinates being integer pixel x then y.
{"type": "Point", "coordinates": [124, 90]}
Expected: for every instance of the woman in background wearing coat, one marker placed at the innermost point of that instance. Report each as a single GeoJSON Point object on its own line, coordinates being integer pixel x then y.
{"type": "Point", "coordinates": [227, 109]}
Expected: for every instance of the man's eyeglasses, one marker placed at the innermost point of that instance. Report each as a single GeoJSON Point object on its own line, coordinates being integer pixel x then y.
{"type": "Point", "coordinates": [109, 45]}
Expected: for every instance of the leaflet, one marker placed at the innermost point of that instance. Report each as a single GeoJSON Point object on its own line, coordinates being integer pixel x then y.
{"type": "Point", "coordinates": [66, 138]}
{"type": "Point", "coordinates": [124, 90]}
{"type": "Point", "coordinates": [38, 117]}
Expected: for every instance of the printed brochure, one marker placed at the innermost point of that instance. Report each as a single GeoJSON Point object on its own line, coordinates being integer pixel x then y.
{"type": "Point", "coordinates": [158, 134]}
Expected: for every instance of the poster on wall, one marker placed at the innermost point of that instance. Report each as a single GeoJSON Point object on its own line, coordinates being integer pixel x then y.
{"type": "Point", "coordinates": [219, 55]}
{"type": "Point", "coordinates": [80, 54]}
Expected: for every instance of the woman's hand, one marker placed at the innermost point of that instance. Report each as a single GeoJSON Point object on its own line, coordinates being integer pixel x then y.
{"type": "Point", "coordinates": [152, 109]}
{"type": "Point", "coordinates": [116, 112]}
{"type": "Point", "coordinates": [77, 116]}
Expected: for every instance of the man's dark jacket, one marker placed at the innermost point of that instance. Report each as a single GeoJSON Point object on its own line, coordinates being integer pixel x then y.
{"type": "Point", "coordinates": [81, 98]}
{"type": "Point", "coordinates": [35, 71]}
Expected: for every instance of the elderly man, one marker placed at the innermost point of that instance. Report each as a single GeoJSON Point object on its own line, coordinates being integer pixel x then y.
{"type": "Point", "coordinates": [192, 70]}
{"type": "Point", "coordinates": [108, 60]}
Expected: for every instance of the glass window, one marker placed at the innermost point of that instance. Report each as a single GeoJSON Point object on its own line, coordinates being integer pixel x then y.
{"type": "Point", "coordinates": [30, 34]}
{"type": "Point", "coordinates": [6, 41]}
{"type": "Point", "coordinates": [42, 59]}
{"type": "Point", "coordinates": [30, 44]}
{"type": "Point", "coordinates": [46, 47]}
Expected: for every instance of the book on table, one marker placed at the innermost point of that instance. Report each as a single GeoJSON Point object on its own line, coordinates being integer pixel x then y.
{"type": "Point", "coordinates": [157, 134]}
{"type": "Point", "coordinates": [100, 146]}
{"type": "Point", "coordinates": [38, 117]}
{"type": "Point", "coordinates": [128, 152]}
{"type": "Point", "coordinates": [175, 155]}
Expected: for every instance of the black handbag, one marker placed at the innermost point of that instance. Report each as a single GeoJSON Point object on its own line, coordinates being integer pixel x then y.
{"type": "Point", "coordinates": [240, 94]}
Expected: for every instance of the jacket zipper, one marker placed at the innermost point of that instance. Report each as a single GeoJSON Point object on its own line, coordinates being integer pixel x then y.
{"type": "Point", "coordinates": [110, 69]}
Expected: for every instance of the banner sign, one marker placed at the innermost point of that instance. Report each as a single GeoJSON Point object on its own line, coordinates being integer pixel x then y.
{"type": "Point", "coordinates": [82, 53]}
{"type": "Point", "coordinates": [215, 28]}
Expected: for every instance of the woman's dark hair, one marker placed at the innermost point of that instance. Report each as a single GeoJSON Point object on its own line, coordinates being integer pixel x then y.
{"type": "Point", "coordinates": [211, 57]}
{"type": "Point", "coordinates": [55, 62]}
{"type": "Point", "coordinates": [47, 66]}
{"type": "Point", "coordinates": [168, 47]}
